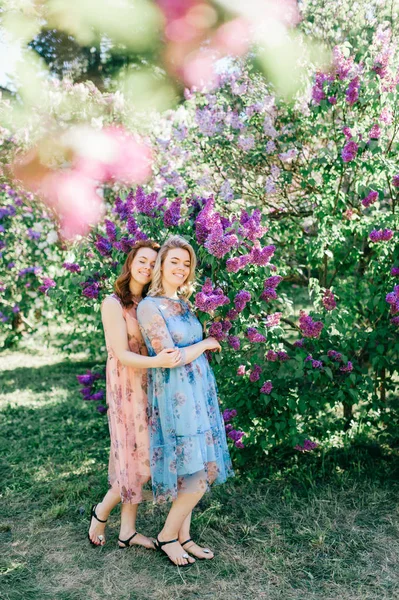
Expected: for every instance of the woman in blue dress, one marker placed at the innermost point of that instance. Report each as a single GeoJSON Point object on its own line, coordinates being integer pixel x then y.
{"type": "Point", "coordinates": [188, 447]}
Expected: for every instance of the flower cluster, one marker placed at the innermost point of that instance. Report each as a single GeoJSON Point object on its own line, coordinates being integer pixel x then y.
{"type": "Point", "coordinates": [241, 300]}
{"type": "Point", "coordinates": [328, 300]}
{"type": "Point", "coordinates": [255, 373]}
{"type": "Point", "coordinates": [316, 364]}
{"type": "Point", "coordinates": [266, 387]}
{"type": "Point", "coordinates": [254, 336]}
{"type": "Point", "coordinates": [93, 383]}
{"type": "Point", "coordinates": [393, 300]}
{"type": "Point", "coordinates": [269, 291]}
{"type": "Point", "coordinates": [233, 434]}
{"type": "Point", "coordinates": [381, 235]}
{"type": "Point", "coordinates": [309, 328]}
{"type": "Point", "coordinates": [370, 198]}
{"type": "Point", "coordinates": [307, 446]}
{"type": "Point", "coordinates": [334, 355]}
{"type": "Point", "coordinates": [210, 298]}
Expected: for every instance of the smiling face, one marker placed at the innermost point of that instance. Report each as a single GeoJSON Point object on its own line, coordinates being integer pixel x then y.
{"type": "Point", "coordinates": [142, 265]}
{"type": "Point", "coordinates": [175, 268]}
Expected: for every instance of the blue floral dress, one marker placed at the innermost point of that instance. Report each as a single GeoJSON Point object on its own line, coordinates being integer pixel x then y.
{"type": "Point", "coordinates": [188, 447]}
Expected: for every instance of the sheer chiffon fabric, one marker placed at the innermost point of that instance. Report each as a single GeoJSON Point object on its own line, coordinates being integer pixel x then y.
{"type": "Point", "coordinates": [129, 465]}
{"type": "Point", "coordinates": [188, 447]}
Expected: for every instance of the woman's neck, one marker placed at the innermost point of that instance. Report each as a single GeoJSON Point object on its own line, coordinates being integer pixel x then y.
{"type": "Point", "coordinates": [135, 288]}
{"type": "Point", "coordinates": [169, 290]}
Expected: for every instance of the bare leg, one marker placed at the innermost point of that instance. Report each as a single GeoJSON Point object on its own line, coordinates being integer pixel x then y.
{"type": "Point", "coordinates": [192, 547]}
{"type": "Point", "coordinates": [180, 510]}
{"type": "Point", "coordinates": [128, 527]}
{"type": "Point", "coordinates": [103, 509]}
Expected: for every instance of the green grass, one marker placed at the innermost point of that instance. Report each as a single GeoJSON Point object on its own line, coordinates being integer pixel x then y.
{"type": "Point", "coordinates": [273, 540]}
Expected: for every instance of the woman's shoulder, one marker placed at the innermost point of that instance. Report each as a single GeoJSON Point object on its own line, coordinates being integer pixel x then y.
{"type": "Point", "coordinates": [112, 299]}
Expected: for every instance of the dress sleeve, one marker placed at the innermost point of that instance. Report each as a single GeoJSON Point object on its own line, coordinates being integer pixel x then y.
{"type": "Point", "coordinates": [153, 327]}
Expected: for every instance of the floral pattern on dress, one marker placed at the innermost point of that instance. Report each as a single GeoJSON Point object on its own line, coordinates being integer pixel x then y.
{"type": "Point", "coordinates": [188, 447]}
{"type": "Point", "coordinates": [129, 460]}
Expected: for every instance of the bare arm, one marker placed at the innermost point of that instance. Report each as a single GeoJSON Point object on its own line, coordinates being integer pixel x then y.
{"type": "Point", "coordinates": [115, 326]}
{"type": "Point", "coordinates": [190, 353]}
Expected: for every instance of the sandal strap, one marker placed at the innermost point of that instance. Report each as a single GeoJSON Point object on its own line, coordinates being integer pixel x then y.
{"type": "Point", "coordinates": [126, 542]}
{"type": "Point", "coordinates": [186, 542]}
{"type": "Point", "coordinates": [160, 544]}
{"type": "Point", "coordinates": [93, 514]}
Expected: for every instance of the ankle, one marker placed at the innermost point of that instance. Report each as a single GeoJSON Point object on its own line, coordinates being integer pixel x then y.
{"type": "Point", "coordinates": [184, 535]}
{"type": "Point", "coordinates": [166, 535]}
{"type": "Point", "coordinates": [101, 513]}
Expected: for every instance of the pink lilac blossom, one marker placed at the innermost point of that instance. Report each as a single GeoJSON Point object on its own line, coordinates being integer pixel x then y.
{"type": "Point", "coordinates": [271, 356]}
{"type": "Point", "coordinates": [241, 371]}
{"type": "Point", "coordinates": [246, 142]}
{"type": "Point", "coordinates": [386, 116]}
{"type": "Point", "coordinates": [251, 225]}
{"type": "Point", "coordinates": [370, 198]}
{"type": "Point", "coordinates": [375, 132]}
{"type": "Point", "coordinates": [328, 300]}
{"type": "Point", "coordinates": [266, 387]}
{"type": "Point", "coordinates": [347, 133]}
{"type": "Point", "coordinates": [46, 285]}
{"type": "Point", "coordinates": [232, 314]}
{"type": "Point", "coordinates": [288, 155]}
{"type": "Point", "coordinates": [381, 235]}
{"type": "Point", "coordinates": [332, 100]}
{"type": "Point", "coordinates": [261, 256]}
{"type": "Point", "coordinates": [233, 265]}
{"type": "Point", "coordinates": [349, 151]}
{"type": "Point", "coordinates": [254, 336]}
{"type": "Point", "coordinates": [273, 320]}
{"type": "Point", "coordinates": [395, 181]}
{"type": "Point", "coordinates": [255, 373]}
{"type": "Point", "coordinates": [218, 243]}
{"type": "Point", "coordinates": [309, 328]}
{"type": "Point", "coordinates": [343, 66]}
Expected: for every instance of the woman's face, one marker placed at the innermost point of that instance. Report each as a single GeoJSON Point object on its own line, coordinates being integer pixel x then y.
{"type": "Point", "coordinates": [176, 267]}
{"type": "Point", "coordinates": [142, 265]}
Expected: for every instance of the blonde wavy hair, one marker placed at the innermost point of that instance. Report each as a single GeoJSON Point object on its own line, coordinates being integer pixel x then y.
{"type": "Point", "coordinates": [185, 290]}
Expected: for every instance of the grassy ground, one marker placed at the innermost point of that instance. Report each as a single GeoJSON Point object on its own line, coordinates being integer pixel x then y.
{"type": "Point", "coordinates": [273, 540]}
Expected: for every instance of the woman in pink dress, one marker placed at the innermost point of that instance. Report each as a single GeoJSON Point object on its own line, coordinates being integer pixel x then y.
{"type": "Point", "coordinates": [126, 376]}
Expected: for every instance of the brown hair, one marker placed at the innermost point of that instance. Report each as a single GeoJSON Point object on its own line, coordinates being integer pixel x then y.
{"type": "Point", "coordinates": [121, 285]}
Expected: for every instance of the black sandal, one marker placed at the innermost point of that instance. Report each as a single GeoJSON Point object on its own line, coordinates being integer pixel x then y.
{"type": "Point", "coordinates": [93, 514]}
{"type": "Point", "coordinates": [158, 546]}
{"type": "Point", "coordinates": [206, 550]}
{"type": "Point", "coordinates": [126, 542]}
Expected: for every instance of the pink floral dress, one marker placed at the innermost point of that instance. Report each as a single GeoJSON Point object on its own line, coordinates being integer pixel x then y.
{"type": "Point", "coordinates": [129, 465]}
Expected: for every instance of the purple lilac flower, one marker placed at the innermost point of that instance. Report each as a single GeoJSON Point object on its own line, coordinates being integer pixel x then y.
{"type": "Point", "coordinates": [332, 100]}
{"type": "Point", "coordinates": [334, 355]}
{"type": "Point", "coordinates": [71, 267]}
{"type": "Point", "coordinates": [103, 245]}
{"type": "Point", "coordinates": [271, 356]}
{"type": "Point", "coordinates": [3, 317]}
{"type": "Point", "coordinates": [33, 235]}
{"type": "Point", "coordinates": [241, 299]}
{"type": "Point", "coordinates": [251, 225]}
{"type": "Point", "coordinates": [146, 204]}
{"type": "Point", "coordinates": [110, 228]}
{"type": "Point", "coordinates": [226, 191]}
{"type": "Point", "coordinates": [246, 142]}
{"type": "Point", "coordinates": [234, 342]}
{"type": "Point", "coordinates": [317, 364]}
{"type": "Point", "coordinates": [318, 93]}
{"type": "Point", "coordinates": [375, 132]}
{"type": "Point", "coordinates": [205, 221]}
{"type": "Point", "coordinates": [229, 414]}
{"type": "Point", "coordinates": [299, 343]}
{"type": "Point", "coordinates": [209, 298]}
{"type": "Point", "coordinates": [261, 256]}
{"type": "Point", "coordinates": [254, 336]}
{"type": "Point", "coordinates": [88, 378]}
{"type": "Point", "coordinates": [386, 116]}
{"type": "Point", "coordinates": [236, 436]}
{"type": "Point", "coordinates": [370, 198]}
{"type": "Point", "coordinates": [219, 244]}
{"type": "Point", "coordinates": [283, 356]}
{"type": "Point", "coordinates": [255, 373]}
{"type": "Point", "coordinates": [395, 320]}
{"type": "Point", "coordinates": [347, 368]}
{"type": "Point", "coordinates": [91, 290]}
{"type": "Point", "coordinates": [395, 181]}
{"type": "Point", "coordinates": [268, 294]}
{"type": "Point", "coordinates": [234, 265]}
{"type": "Point", "coordinates": [393, 299]}
{"type": "Point", "coordinates": [307, 446]}
{"type": "Point", "coordinates": [101, 409]}
{"type": "Point", "coordinates": [273, 282]}
{"type": "Point", "coordinates": [347, 133]}
{"type": "Point", "coordinates": [241, 371]}
{"type": "Point", "coordinates": [328, 300]}
{"type": "Point", "coordinates": [46, 285]}
{"type": "Point", "coordinates": [352, 93]}
{"type": "Point", "coordinates": [395, 271]}
{"type": "Point", "coordinates": [342, 65]}
{"type": "Point", "coordinates": [274, 319]}
{"type": "Point", "coordinates": [309, 328]}
{"type": "Point", "coordinates": [349, 151]}
{"type": "Point", "coordinates": [98, 395]}
{"type": "Point", "coordinates": [381, 235]}
{"type": "Point", "coordinates": [171, 217]}
{"type": "Point", "coordinates": [266, 387]}
{"type": "Point", "coordinates": [16, 309]}
{"type": "Point", "coordinates": [23, 272]}
{"type": "Point", "coordinates": [232, 314]}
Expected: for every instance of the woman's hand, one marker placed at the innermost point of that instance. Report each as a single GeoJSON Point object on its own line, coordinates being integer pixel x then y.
{"type": "Point", "coordinates": [212, 344]}
{"type": "Point", "coordinates": [168, 358]}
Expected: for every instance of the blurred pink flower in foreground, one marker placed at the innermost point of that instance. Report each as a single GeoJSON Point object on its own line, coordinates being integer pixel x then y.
{"type": "Point", "coordinates": [95, 157]}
